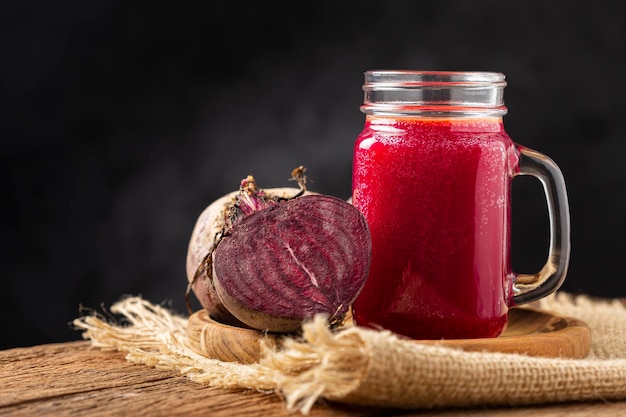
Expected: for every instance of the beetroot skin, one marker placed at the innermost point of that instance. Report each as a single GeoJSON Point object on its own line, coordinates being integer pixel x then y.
{"type": "Point", "coordinates": [283, 261]}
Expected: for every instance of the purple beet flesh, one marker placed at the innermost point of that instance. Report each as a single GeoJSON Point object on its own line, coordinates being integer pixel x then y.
{"type": "Point", "coordinates": [285, 263]}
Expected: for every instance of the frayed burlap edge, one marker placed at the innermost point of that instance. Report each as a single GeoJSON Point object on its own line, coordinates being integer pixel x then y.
{"type": "Point", "coordinates": [376, 368]}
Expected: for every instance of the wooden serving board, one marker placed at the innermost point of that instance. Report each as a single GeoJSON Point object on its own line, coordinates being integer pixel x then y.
{"type": "Point", "coordinates": [529, 331]}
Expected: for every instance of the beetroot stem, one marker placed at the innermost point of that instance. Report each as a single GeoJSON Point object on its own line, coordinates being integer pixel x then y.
{"type": "Point", "coordinates": [252, 199]}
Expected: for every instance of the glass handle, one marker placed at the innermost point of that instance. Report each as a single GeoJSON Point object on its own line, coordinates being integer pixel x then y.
{"type": "Point", "coordinates": [531, 287]}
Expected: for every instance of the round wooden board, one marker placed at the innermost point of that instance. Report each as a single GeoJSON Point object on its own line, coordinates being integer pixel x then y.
{"type": "Point", "coordinates": [530, 332]}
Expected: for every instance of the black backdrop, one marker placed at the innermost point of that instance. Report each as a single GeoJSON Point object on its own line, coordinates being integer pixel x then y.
{"type": "Point", "coordinates": [121, 121]}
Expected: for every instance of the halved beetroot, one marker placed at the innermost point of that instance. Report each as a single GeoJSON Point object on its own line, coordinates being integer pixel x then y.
{"type": "Point", "coordinates": [277, 261]}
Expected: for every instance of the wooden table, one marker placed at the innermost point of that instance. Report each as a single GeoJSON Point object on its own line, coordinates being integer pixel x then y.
{"type": "Point", "coordinates": [75, 379]}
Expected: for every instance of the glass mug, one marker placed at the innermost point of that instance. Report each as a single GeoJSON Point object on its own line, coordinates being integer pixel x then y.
{"type": "Point", "coordinates": [432, 173]}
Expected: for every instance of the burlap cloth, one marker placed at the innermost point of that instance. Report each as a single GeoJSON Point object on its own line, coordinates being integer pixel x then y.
{"type": "Point", "coordinates": [366, 367]}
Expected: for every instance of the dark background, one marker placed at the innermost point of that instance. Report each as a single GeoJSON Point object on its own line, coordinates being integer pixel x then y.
{"type": "Point", "coordinates": [121, 121]}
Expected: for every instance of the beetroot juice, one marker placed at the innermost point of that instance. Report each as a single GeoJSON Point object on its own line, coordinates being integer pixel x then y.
{"type": "Point", "coordinates": [438, 224]}
{"type": "Point", "coordinates": [432, 176]}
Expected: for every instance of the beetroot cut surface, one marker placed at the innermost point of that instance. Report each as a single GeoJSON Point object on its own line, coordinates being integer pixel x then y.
{"type": "Point", "coordinates": [288, 262]}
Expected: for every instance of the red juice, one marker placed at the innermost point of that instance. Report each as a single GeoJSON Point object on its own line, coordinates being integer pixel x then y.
{"type": "Point", "coordinates": [436, 195]}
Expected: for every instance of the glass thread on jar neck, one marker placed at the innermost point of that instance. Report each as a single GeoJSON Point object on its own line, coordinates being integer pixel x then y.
{"type": "Point", "coordinates": [434, 93]}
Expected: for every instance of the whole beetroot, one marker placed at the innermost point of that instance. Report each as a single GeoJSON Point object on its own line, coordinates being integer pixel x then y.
{"type": "Point", "coordinates": [270, 259]}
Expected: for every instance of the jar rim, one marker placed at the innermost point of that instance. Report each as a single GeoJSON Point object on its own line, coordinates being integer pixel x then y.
{"type": "Point", "coordinates": [406, 78]}
{"type": "Point", "coordinates": [434, 92]}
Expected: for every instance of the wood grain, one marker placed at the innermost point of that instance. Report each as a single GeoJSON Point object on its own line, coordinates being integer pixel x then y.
{"type": "Point", "coordinates": [75, 379]}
